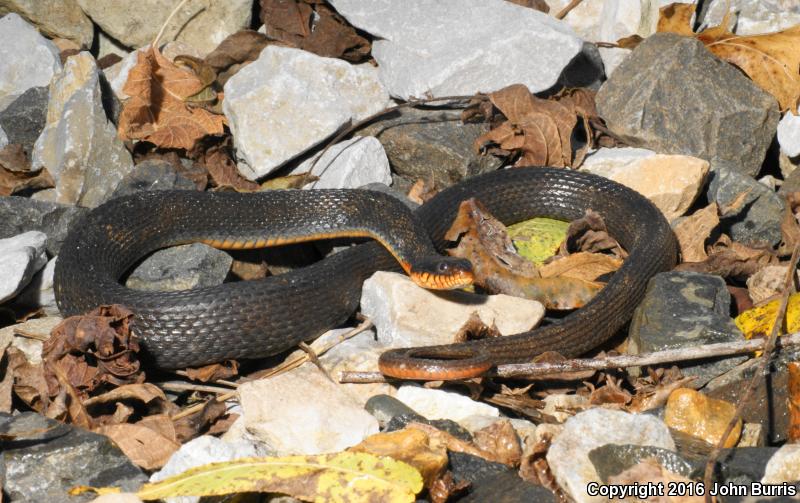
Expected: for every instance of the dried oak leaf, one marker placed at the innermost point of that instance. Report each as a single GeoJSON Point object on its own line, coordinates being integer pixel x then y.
{"type": "Point", "coordinates": [771, 60]}
{"type": "Point", "coordinates": [16, 174]}
{"type": "Point", "coordinates": [214, 372]}
{"type": "Point", "coordinates": [589, 234]}
{"type": "Point", "coordinates": [144, 446]}
{"type": "Point", "coordinates": [157, 110]}
{"type": "Point", "coordinates": [693, 231]}
{"type": "Point", "coordinates": [313, 26]}
{"type": "Point", "coordinates": [219, 163]}
{"type": "Point", "coordinates": [500, 439]}
{"type": "Point", "coordinates": [189, 427]}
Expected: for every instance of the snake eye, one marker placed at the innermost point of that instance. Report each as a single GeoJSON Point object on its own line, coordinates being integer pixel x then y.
{"type": "Point", "coordinates": [443, 267]}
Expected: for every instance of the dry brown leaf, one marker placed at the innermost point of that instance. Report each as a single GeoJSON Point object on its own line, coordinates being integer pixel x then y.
{"type": "Point", "coordinates": [16, 174]}
{"type": "Point", "coordinates": [157, 111]}
{"type": "Point", "coordinates": [144, 446]}
{"type": "Point", "coordinates": [439, 438]}
{"type": "Point", "coordinates": [589, 234]}
{"type": "Point", "coordinates": [790, 229]}
{"type": "Point", "coordinates": [214, 372]}
{"type": "Point", "coordinates": [676, 18]}
{"type": "Point", "coordinates": [693, 231]}
{"type": "Point", "coordinates": [540, 130]}
{"type": "Point", "coordinates": [500, 439]}
{"type": "Point", "coordinates": [189, 427]}
{"type": "Point", "coordinates": [582, 265]}
{"type": "Point", "coordinates": [315, 27]}
{"type": "Point", "coordinates": [222, 168]}
{"type": "Point", "coordinates": [731, 260]}
{"type": "Point", "coordinates": [540, 5]}
{"type": "Point", "coordinates": [297, 181]}
{"type": "Point", "coordinates": [28, 379]}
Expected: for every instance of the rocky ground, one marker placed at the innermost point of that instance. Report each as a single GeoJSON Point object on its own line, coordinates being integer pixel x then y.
{"type": "Point", "coordinates": [100, 99]}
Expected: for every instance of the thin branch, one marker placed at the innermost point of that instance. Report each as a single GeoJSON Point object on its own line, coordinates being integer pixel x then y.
{"type": "Point", "coordinates": [563, 12]}
{"type": "Point", "coordinates": [187, 386]}
{"type": "Point", "coordinates": [539, 370]}
{"type": "Point", "coordinates": [358, 125]}
{"type": "Point", "coordinates": [766, 356]}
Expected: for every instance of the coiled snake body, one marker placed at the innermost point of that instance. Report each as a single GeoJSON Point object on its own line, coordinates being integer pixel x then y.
{"type": "Point", "coordinates": [259, 318]}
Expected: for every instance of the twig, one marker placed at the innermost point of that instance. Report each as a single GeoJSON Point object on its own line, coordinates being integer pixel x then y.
{"type": "Point", "coordinates": [357, 125]}
{"type": "Point", "coordinates": [187, 386]}
{"type": "Point", "coordinates": [527, 370]}
{"type": "Point", "coordinates": [166, 22]}
{"type": "Point", "coordinates": [289, 364]}
{"type": "Point", "coordinates": [765, 357]}
{"type": "Point", "coordinates": [563, 12]}
{"type": "Point", "coordinates": [223, 382]}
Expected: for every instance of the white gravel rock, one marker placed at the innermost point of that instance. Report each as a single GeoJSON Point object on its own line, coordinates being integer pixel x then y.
{"type": "Point", "coordinates": [407, 315]}
{"type": "Point", "coordinates": [289, 100]}
{"type": "Point", "coordinates": [789, 134]}
{"type": "Point", "coordinates": [440, 404]}
{"type": "Point", "coordinates": [568, 456]}
{"type": "Point", "coordinates": [447, 47]}
{"type": "Point", "coordinates": [79, 145]}
{"type": "Point", "coordinates": [350, 164]}
{"type": "Point", "coordinates": [39, 292]}
{"type": "Point", "coordinates": [27, 59]}
{"type": "Point", "coordinates": [303, 412]}
{"type": "Point", "coordinates": [783, 466]}
{"type": "Point", "coordinates": [21, 257]}
{"type": "Point", "coordinates": [753, 17]}
{"type": "Point", "coordinates": [200, 451]}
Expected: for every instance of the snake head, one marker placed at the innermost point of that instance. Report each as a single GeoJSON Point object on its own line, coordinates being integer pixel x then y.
{"type": "Point", "coordinates": [442, 273]}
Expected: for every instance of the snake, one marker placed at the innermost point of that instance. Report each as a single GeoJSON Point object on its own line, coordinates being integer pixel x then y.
{"type": "Point", "coordinates": [264, 317]}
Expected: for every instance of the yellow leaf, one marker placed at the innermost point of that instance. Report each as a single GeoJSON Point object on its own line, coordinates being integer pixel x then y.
{"type": "Point", "coordinates": [676, 18]}
{"type": "Point", "coordinates": [538, 239]}
{"type": "Point", "coordinates": [758, 321]}
{"type": "Point", "coordinates": [342, 477]}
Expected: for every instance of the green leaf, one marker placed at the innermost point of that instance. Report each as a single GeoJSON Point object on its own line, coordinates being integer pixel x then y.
{"type": "Point", "coordinates": [538, 239]}
{"type": "Point", "coordinates": [340, 477]}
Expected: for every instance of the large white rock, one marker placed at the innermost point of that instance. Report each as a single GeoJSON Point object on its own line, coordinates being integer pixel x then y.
{"type": "Point", "coordinates": [200, 23]}
{"type": "Point", "coordinates": [21, 257]}
{"type": "Point", "coordinates": [671, 182]}
{"type": "Point", "coordinates": [79, 145]}
{"type": "Point", "coordinates": [303, 412]}
{"type": "Point", "coordinates": [568, 455]}
{"type": "Point", "coordinates": [407, 315]}
{"type": "Point", "coordinates": [753, 17]}
{"type": "Point", "coordinates": [289, 100]}
{"type": "Point", "coordinates": [350, 164]}
{"type": "Point", "coordinates": [447, 47]}
{"type": "Point", "coordinates": [789, 134]}
{"type": "Point", "coordinates": [440, 404]}
{"type": "Point", "coordinates": [27, 59]}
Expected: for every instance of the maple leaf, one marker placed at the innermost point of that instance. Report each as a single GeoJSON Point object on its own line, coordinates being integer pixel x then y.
{"type": "Point", "coordinates": [156, 110]}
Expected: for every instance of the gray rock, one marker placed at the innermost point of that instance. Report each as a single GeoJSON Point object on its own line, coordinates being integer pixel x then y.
{"type": "Point", "coordinates": [54, 18]}
{"type": "Point", "coordinates": [289, 100]}
{"type": "Point", "coordinates": [587, 69]}
{"type": "Point", "coordinates": [44, 459]}
{"type": "Point", "coordinates": [79, 145]}
{"type": "Point", "coordinates": [27, 59]}
{"type": "Point", "coordinates": [684, 309]}
{"type": "Point", "coordinates": [20, 258]}
{"type": "Point", "coordinates": [3, 138]}
{"type": "Point", "coordinates": [385, 407]}
{"type": "Point", "coordinates": [447, 47]}
{"type": "Point", "coordinates": [349, 165]}
{"type": "Point", "coordinates": [23, 120]}
{"type": "Point", "coordinates": [507, 487]}
{"type": "Point", "coordinates": [742, 465]}
{"type": "Point", "coordinates": [153, 174]}
{"type": "Point", "coordinates": [200, 24]}
{"type": "Point", "coordinates": [758, 220]}
{"type": "Point", "coordinates": [39, 293]}
{"type": "Point", "coordinates": [21, 214]}
{"type": "Point", "coordinates": [181, 268]}
{"type": "Point", "coordinates": [791, 183]}
{"type": "Point", "coordinates": [613, 459]}
{"type": "Point", "coordinates": [432, 145]}
{"type": "Point", "coordinates": [671, 91]}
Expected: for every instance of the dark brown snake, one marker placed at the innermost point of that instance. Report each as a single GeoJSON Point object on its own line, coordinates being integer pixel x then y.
{"type": "Point", "coordinates": [254, 319]}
